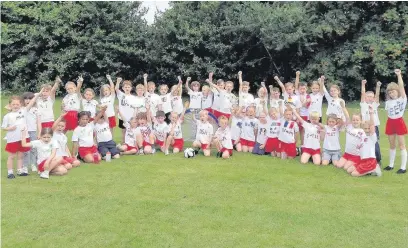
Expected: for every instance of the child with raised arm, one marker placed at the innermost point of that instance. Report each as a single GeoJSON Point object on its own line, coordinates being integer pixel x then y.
{"type": "Point", "coordinates": [152, 99]}
{"type": "Point", "coordinates": [261, 103]}
{"type": "Point", "coordinates": [88, 102]}
{"type": "Point", "coordinates": [108, 96]}
{"type": "Point", "coordinates": [371, 100]}
{"type": "Point", "coordinates": [217, 96]}
{"type": "Point", "coordinates": [301, 91]}
{"type": "Point", "coordinates": [204, 134]}
{"type": "Point", "coordinates": [222, 139]}
{"type": "Point", "coordinates": [175, 137]}
{"type": "Point", "coordinates": [287, 134]}
{"type": "Point", "coordinates": [144, 135]}
{"type": "Point", "coordinates": [226, 98]}
{"type": "Point", "coordinates": [60, 139]}
{"type": "Point", "coordinates": [45, 103]}
{"type": "Point", "coordinates": [396, 127]}
{"type": "Point", "coordinates": [207, 99]}
{"type": "Point", "coordinates": [289, 96]}
{"type": "Point", "coordinates": [126, 104]}
{"type": "Point", "coordinates": [160, 130]}
{"type": "Point", "coordinates": [331, 143]}
{"type": "Point", "coordinates": [333, 100]}
{"type": "Point", "coordinates": [272, 133]}
{"type": "Point", "coordinates": [195, 103]}
{"type": "Point", "coordinates": [71, 103]}
{"type": "Point", "coordinates": [249, 130]}
{"type": "Point", "coordinates": [368, 163]}
{"type": "Point", "coordinates": [245, 99]}
{"type": "Point", "coordinates": [236, 126]}
{"type": "Point", "coordinates": [165, 98]}
{"type": "Point", "coordinates": [176, 99]}
{"type": "Point", "coordinates": [275, 101]}
{"type": "Point", "coordinates": [47, 160]}
{"type": "Point", "coordinates": [261, 137]}
{"type": "Point", "coordinates": [129, 147]}
{"type": "Point", "coordinates": [316, 98]}
{"type": "Point", "coordinates": [104, 136]}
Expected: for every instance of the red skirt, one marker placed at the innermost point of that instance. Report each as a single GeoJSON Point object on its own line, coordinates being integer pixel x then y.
{"type": "Point", "coordinates": [159, 143]}
{"type": "Point", "coordinates": [272, 145]}
{"type": "Point", "coordinates": [395, 126]}
{"type": "Point", "coordinates": [245, 142]}
{"type": "Point", "coordinates": [312, 152]}
{"type": "Point", "coordinates": [83, 151]}
{"type": "Point", "coordinates": [353, 158]}
{"type": "Point", "coordinates": [366, 165]}
{"type": "Point", "coordinates": [47, 124]}
{"type": "Point", "coordinates": [288, 148]}
{"type": "Point", "coordinates": [225, 149]}
{"type": "Point", "coordinates": [71, 119]}
{"type": "Point", "coordinates": [67, 160]}
{"type": "Point", "coordinates": [112, 122]}
{"type": "Point", "coordinates": [41, 166]}
{"type": "Point", "coordinates": [15, 147]}
{"type": "Point", "coordinates": [205, 146]}
{"type": "Point", "coordinates": [178, 143]}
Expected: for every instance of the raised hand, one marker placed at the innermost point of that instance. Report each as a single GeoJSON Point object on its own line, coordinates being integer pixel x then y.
{"type": "Point", "coordinates": [58, 79]}
{"type": "Point", "coordinates": [298, 73]}
{"type": "Point", "coordinates": [109, 77]}
{"type": "Point", "coordinates": [240, 74]}
{"type": "Point", "coordinates": [276, 78]}
{"type": "Point", "coordinates": [80, 79]}
{"type": "Point", "coordinates": [323, 77]}
{"type": "Point", "coordinates": [188, 79]}
{"type": "Point", "coordinates": [179, 79]}
{"type": "Point", "coordinates": [118, 80]}
{"type": "Point", "coordinates": [263, 84]}
{"type": "Point", "coordinates": [397, 71]}
{"type": "Point", "coordinates": [364, 82]}
{"type": "Point", "coordinates": [378, 84]}
{"type": "Point", "coordinates": [145, 76]}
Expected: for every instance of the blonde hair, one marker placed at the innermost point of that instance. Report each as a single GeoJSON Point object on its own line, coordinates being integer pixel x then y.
{"type": "Point", "coordinates": [103, 87]}
{"type": "Point", "coordinates": [303, 84]}
{"type": "Point", "coordinates": [230, 82]}
{"type": "Point", "coordinates": [222, 118]}
{"type": "Point", "coordinates": [70, 83]}
{"type": "Point", "coordinates": [336, 87]}
{"type": "Point", "coordinates": [314, 114]}
{"type": "Point", "coordinates": [393, 86]}
{"type": "Point", "coordinates": [140, 86]}
{"type": "Point", "coordinates": [151, 83]}
{"type": "Point", "coordinates": [195, 83]}
{"type": "Point", "coordinates": [315, 83]}
{"type": "Point", "coordinates": [90, 90]}
{"type": "Point", "coordinates": [273, 109]}
{"type": "Point", "coordinates": [331, 116]}
{"type": "Point", "coordinates": [127, 82]}
{"type": "Point", "coordinates": [46, 86]}
{"type": "Point", "coordinates": [203, 112]}
{"type": "Point", "coordinates": [275, 89]}
{"type": "Point", "coordinates": [220, 81]}
{"type": "Point", "coordinates": [245, 83]}
{"type": "Point", "coordinates": [15, 97]}
{"type": "Point", "coordinates": [205, 87]}
{"type": "Point", "coordinates": [289, 84]}
{"type": "Point", "coordinates": [163, 86]}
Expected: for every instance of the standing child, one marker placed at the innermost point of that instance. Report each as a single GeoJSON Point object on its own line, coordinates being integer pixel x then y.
{"type": "Point", "coordinates": [261, 103]}
{"type": "Point", "coordinates": [272, 133]}
{"type": "Point", "coordinates": [126, 104]}
{"type": "Point", "coordinates": [47, 160]}
{"type": "Point", "coordinates": [207, 99]}
{"type": "Point", "coordinates": [108, 99]}
{"type": "Point", "coordinates": [104, 136]}
{"type": "Point", "coordinates": [217, 95]}
{"type": "Point", "coordinates": [175, 137]}
{"type": "Point", "coordinates": [274, 99]}
{"type": "Point", "coordinates": [245, 99]}
{"type": "Point", "coordinates": [222, 139]}
{"type": "Point", "coordinates": [140, 100]}
{"type": "Point", "coordinates": [160, 130]}
{"type": "Point", "coordinates": [289, 96]}
{"type": "Point", "coordinates": [316, 98]}
{"type": "Point", "coordinates": [129, 147]}
{"type": "Point", "coordinates": [165, 101]}
{"type": "Point", "coordinates": [89, 103]}
{"type": "Point", "coordinates": [45, 103]}
{"type": "Point", "coordinates": [152, 99]}
{"type": "Point", "coordinates": [287, 133]}
{"type": "Point", "coordinates": [226, 98]}
{"type": "Point", "coordinates": [236, 127]}
{"type": "Point", "coordinates": [261, 137]}
{"type": "Point", "coordinates": [305, 100]}
{"type": "Point", "coordinates": [396, 127]}
{"type": "Point", "coordinates": [71, 103]}
{"type": "Point", "coordinates": [195, 103]}
{"type": "Point", "coordinates": [331, 143]}
{"type": "Point", "coordinates": [204, 134]}
{"type": "Point", "coordinates": [176, 99]}
{"type": "Point", "coordinates": [333, 100]}
{"type": "Point", "coordinates": [249, 130]}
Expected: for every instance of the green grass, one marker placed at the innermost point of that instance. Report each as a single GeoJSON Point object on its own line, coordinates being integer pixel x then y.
{"type": "Point", "coordinates": [170, 201]}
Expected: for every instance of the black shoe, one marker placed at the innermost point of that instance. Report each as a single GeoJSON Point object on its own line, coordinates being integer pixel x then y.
{"type": "Point", "coordinates": [401, 171]}
{"type": "Point", "coordinates": [218, 154]}
{"type": "Point", "coordinates": [23, 174]}
{"type": "Point", "coordinates": [11, 176]}
{"type": "Point", "coordinates": [196, 151]}
{"type": "Point", "coordinates": [388, 168]}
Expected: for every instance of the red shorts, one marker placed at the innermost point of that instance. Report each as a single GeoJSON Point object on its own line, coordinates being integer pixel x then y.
{"type": "Point", "coordinates": [178, 143]}
{"type": "Point", "coordinates": [144, 144]}
{"type": "Point", "coordinates": [205, 146]}
{"type": "Point", "coordinates": [353, 158]}
{"type": "Point", "coordinates": [67, 160]}
{"type": "Point", "coordinates": [210, 110]}
{"type": "Point", "coordinates": [245, 142]}
{"type": "Point", "coordinates": [47, 124]}
{"type": "Point", "coordinates": [216, 113]}
{"type": "Point", "coordinates": [112, 122]}
{"type": "Point", "coordinates": [288, 148]}
{"type": "Point", "coordinates": [312, 152]}
{"type": "Point", "coordinates": [396, 126]}
{"type": "Point", "coordinates": [41, 166]}
{"type": "Point", "coordinates": [71, 119]}
{"type": "Point", "coordinates": [225, 149]}
{"type": "Point", "coordinates": [366, 165]}
{"type": "Point", "coordinates": [159, 143]}
{"type": "Point", "coordinates": [305, 118]}
{"type": "Point", "coordinates": [83, 151]}
{"type": "Point", "coordinates": [129, 148]}
{"type": "Point", "coordinates": [15, 147]}
{"type": "Point", "coordinates": [224, 114]}
{"type": "Point", "coordinates": [272, 145]}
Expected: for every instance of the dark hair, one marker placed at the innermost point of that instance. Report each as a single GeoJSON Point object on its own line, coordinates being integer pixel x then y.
{"type": "Point", "coordinates": [46, 130]}
{"type": "Point", "coordinates": [82, 113]}
{"type": "Point", "coordinates": [160, 113]}
{"type": "Point", "coordinates": [28, 95]}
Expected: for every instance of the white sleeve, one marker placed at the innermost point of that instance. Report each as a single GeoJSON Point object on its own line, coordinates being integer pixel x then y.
{"type": "Point", "coordinates": [35, 143]}
{"type": "Point", "coordinates": [75, 136]}
{"type": "Point", "coordinates": [119, 94]}
{"type": "Point", "coordinates": [54, 144]}
{"type": "Point", "coordinates": [327, 95]}
{"type": "Point", "coordinates": [296, 128]}
{"type": "Point", "coordinates": [5, 122]}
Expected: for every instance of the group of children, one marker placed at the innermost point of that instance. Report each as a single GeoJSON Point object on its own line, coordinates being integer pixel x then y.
{"type": "Point", "coordinates": [149, 121]}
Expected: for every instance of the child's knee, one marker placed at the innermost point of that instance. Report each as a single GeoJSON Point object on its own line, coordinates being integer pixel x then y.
{"type": "Point", "coordinates": [176, 150]}
{"type": "Point", "coordinates": [147, 149]}
{"type": "Point", "coordinates": [76, 163]}
{"type": "Point", "coordinates": [225, 155]}
{"type": "Point", "coordinates": [68, 166]}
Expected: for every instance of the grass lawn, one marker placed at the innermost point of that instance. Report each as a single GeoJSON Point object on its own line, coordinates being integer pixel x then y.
{"type": "Point", "coordinates": [170, 201]}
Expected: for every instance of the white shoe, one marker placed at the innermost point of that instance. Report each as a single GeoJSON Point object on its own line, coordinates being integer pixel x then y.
{"type": "Point", "coordinates": [24, 170]}
{"type": "Point", "coordinates": [378, 171]}
{"type": "Point", "coordinates": [153, 150]}
{"type": "Point", "coordinates": [33, 168]}
{"type": "Point", "coordinates": [45, 175]}
{"type": "Point", "coordinates": [141, 152]}
{"type": "Point", "coordinates": [166, 152]}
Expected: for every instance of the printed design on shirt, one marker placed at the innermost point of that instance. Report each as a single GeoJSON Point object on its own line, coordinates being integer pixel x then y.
{"type": "Point", "coordinates": [397, 108]}
{"type": "Point", "coordinates": [70, 101]}
{"type": "Point", "coordinates": [262, 131]}
{"type": "Point", "coordinates": [249, 124]}
{"type": "Point", "coordinates": [102, 130]}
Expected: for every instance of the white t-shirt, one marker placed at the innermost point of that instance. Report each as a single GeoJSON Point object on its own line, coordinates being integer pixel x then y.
{"type": "Point", "coordinates": [160, 130]}
{"type": "Point", "coordinates": [71, 102]}
{"type": "Point", "coordinates": [43, 150]}
{"type": "Point", "coordinates": [84, 135]}
{"type": "Point", "coordinates": [333, 106]}
{"type": "Point", "coordinates": [395, 108]}
{"type": "Point", "coordinates": [316, 103]}
{"type": "Point", "coordinates": [273, 128]}
{"type": "Point", "coordinates": [294, 100]}
{"type": "Point", "coordinates": [130, 135]}
{"type": "Point", "coordinates": [303, 111]}
{"type": "Point", "coordinates": [207, 101]}
{"type": "Point", "coordinates": [126, 105]}
{"type": "Point", "coordinates": [262, 132]}
{"type": "Point", "coordinates": [287, 131]}
{"type": "Point", "coordinates": [365, 112]}
{"type": "Point", "coordinates": [331, 138]}
{"type": "Point", "coordinates": [89, 106]}
{"type": "Point", "coordinates": [46, 109]}
{"type": "Point", "coordinates": [245, 99]}
{"type": "Point", "coordinates": [103, 133]}
{"type": "Point", "coordinates": [195, 99]}
{"type": "Point", "coordinates": [354, 140]}
{"type": "Point", "coordinates": [145, 131]}
{"type": "Point", "coordinates": [274, 103]}
{"type": "Point", "coordinates": [177, 104]}
{"type": "Point", "coordinates": [248, 128]}
{"type": "Point", "coordinates": [109, 101]}
{"type": "Point", "coordinates": [368, 149]}
{"type": "Point", "coordinates": [236, 125]}
{"type": "Point", "coordinates": [261, 107]}
{"type": "Point", "coordinates": [154, 101]}
{"type": "Point", "coordinates": [60, 140]}
{"type": "Point", "coordinates": [311, 138]}
{"type": "Point", "coordinates": [205, 132]}
{"type": "Point", "coordinates": [17, 119]}
{"type": "Point", "coordinates": [217, 99]}
{"type": "Point", "coordinates": [166, 103]}
{"type": "Point", "coordinates": [226, 100]}
{"type": "Point", "coordinates": [31, 119]}
{"type": "Point", "coordinates": [224, 136]}
{"type": "Point", "coordinates": [178, 134]}
{"type": "Point", "coordinates": [140, 102]}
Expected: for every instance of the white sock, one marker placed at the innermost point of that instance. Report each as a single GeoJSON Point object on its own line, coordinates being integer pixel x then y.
{"type": "Point", "coordinates": [392, 157]}
{"type": "Point", "coordinates": [404, 159]}
{"type": "Point", "coordinates": [10, 172]}
{"type": "Point", "coordinates": [19, 171]}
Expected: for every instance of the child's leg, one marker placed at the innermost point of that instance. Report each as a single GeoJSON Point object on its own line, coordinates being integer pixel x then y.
{"type": "Point", "coordinates": [225, 155]}
{"type": "Point", "coordinates": [111, 146]}
{"type": "Point", "coordinates": [68, 166]}
{"type": "Point", "coordinates": [88, 158]}
{"type": "Point", "coordinates": [123, 135]}
{"type": "Point", "coordinates": [169, 141]}
{"type": "Point", "coordinates": [207, 152]}
{"type": "Point", "coordinates": [401, 142]}
{"type": "Point", "coordinates": [351, 169]}
{"type": "Point", "coordinates": [245, 149]}
{"type": "Point", "coordinates": [392, 141]}
{"type": "Point", "coordinates": [19, 160]}
{"type": "Point", "coordinates": [377, 145]}
{"type": "Point", "coordinates": [316, 159]}
{"type": "Point", "coordinates": [126, 152]}
{"type": "Point", "coordinates": [250, 148]}
{"type": "Point", "coordinates": [152, 139]}
{"type": "Point", "coordinates": [341, 163]}
{"type": "Point", "coordinates": [102, 149]}
{"type": "Point", "coordinates": [283, 155]}
{"type": "Point", "coordinates": [59, 171]}
{"type": "Point", "coordinates": [10, 160]}
{"type": "Point", "coordinates": [196, 144]}
{"type": "Point", "coordinates": [139, 141]}
{"type": "Point", "coordinates": [304, 159]}
{"type": "Point", "coordinates": [147, 149]}
{"type": "Point", "coordinates": [348, 164]}
{"type": "Point", "coordinates": [238, 147]}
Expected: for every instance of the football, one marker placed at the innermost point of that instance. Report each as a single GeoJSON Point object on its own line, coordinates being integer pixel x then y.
{"type": "Point", "coordinates": [189, 153]}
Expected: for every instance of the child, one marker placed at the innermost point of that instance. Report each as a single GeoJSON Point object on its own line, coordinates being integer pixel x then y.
{"type": "Point", "coordinates": [175, 137]}
{"type": "Point", "coordinates": [368, 163]}
{"type": "Point", "coordinates": [261, 136]}
{"type": "Point", "coordinates": [83, 138]}
{"type": "Point", "coordinates": [71, 103]}
{"type": "Point", "coordinates": [396, 126]}
{"type": "Point", "coordinates": [60, 139]}
{"type": "Point", "coordinates": [126, 104]}
{"type": "Point", "coordinates": [195, 103]}
{"type": "Point", "coordinates": [176, 100]}
{"type": "Point", "coordinates": [274, 100]}
{"type": "Point", "coordinates": [316, 98]}
{"type": "Point", "coordinates": [104, 136]}
{"type": "Point", "coordinates": [245, 99]}
{"type": "Point", "coordinates": [311, 142]}
{"type": "Point", "coordinates": [369, 100]}
{"type": "Point", "coordinates": [88, 102]}
{"type": "Point", "coordinates": [165, 101]}
{"type": "Point", "coordinates": [129, 147]}
{"type": "Point", "coordinates": [236, 126]}
{"type": "Point", "coordinates": [152, 99]}
{"type": "Point", "coordinates": [45, 103]}
{"type": "Point", "coordinates": [217, 95]}
{"type": "Point", "coordinates": [160, 130]}
{"type": "Point", "coordinates": [108, 99]}
{"type": "Point", "coordinates": [261, 103]}
{"type": "Point", "coordinates": [272, 133]}
{"type": "Point", "coordinates": [14, 122]}
{"type": "Point", "coordinates": [140, 100]}
{"type": "Point", "coordinates": [301, 91]}
{"type": "Point", "coordinates": [207, 99]}
{"type": "Point", "coordinates": [204, 134]}
{"type": "Point", "coordinates": [249, 130]}
{"type": "Point", "coordinates": [331, 143]}
{"type": "Point", "coordinates": [47, 160]}
{"type": "Point", "coordinates": [289, 96]}
{"type": "Point", "coordinates": [287, 133]}
{"type": "Point", "coordinates": [144, 135]}
{"type": "Point", "coordinates": [333, 100]}
{"type": "Point", "coordinates": [222, 139]}
{"type": "Point", "coordinates": [354, 139]}
{"type": "Point", "coordinates": [226, 98]}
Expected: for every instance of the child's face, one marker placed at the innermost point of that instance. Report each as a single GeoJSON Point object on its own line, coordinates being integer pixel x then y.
{"type": "Point", "coordinates": [369, 97]}
{"type": "Point", "coordinates": [160, 119]}
{"type": "Point", "coordinates": [288, 115]}
{"type": "Point", "coordinates": [26, 101]}
{"type": "Point", "coordinates": [142, 121]}
{"type": "Point", "coordinates": [46, 138]}
{"type": "Point", "coordinates": [163, 90]}
{"type": "Point", "coordinates": [250, 112]}
{"type": "Point", "coordinates": [61, 126]}
{"type": "Point", "coordinates": [261, 93]}
{"type": "Point", "coordinates": [275, 94]}
{"type": "Point", "coordinates": [334, 92]}
{"type": "Point", "coordinates": [139, 92]}
{"type": "Point", "coordinates": [176, 92]}
{"type": "Point", "coordinates": [133, 123]}
{"type": "Point", "coordinates": [46, 93]}
{"type": "Point", "coordinates": [356, 121]}
{"type": "Point", "coordinates": [289, 89]}
{"type": "Point", "coordinates": [206, 91]}
{"type": "Point", "coordinates": [302, 89]}
{"type": "Point", "coordinates": [88, 95]}
{"type": "Point", "coordinates": [196, 87]}
{"type": "Point", "coordinates": [314, 120]}
{"type": "Point", "coordinates": [83, 121]}
{"type": "Point", "coordinates": [70, 88]}
{"type": "Point", "coordinates": [366, 127]}
{"type": "Point", "coordinates": [106, 91]}
{"type": "Point", "coordinates": [223, 124]}
{"type": "Point", "coordinates": [204, 117]}
{"type": "Point", "coordinates": [127, 88]}
{"type": "Point", "coordinates": [229, 87]}
{"type": "Point", "coordinates": [15, 105]}
{"type": "Point", "coordinates": [101, 120]}
{"type": "Point", "coordinates": [173, 118]}
{"type": "Point", "coordinates": [151, 88]}
{"type": "Point", "coordinates": [221, 85]}
{"type": "Point", "coordinates": [315, 88]}
{"type": "Point", "coordinates": [393, 94]}
{"type": "Point", "coordinates": [273, 114]}
{"type": "Point", "coordinates": [262, 117]}
{"type": "Point", "coordinates": [331, 122]}
{"type": "Point", "coordinates": [245, 88]}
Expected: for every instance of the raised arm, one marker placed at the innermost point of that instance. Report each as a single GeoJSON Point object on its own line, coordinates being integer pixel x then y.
{"type": "Point", "coordinates": [118, 81]}
{"type": "Point", "coordinates": [321, 84]}
{"type": "Point", "coordinates": [280, 84]}
{"type": "Point", "coordinates": [345, 112]}
{"type": "Point", "coordinates": [377, 92]}
{"type": "Point", "coordinates": [296, 113]}
{"type": "Point", "coordinates": [213, 85]}
{"type": "Point", "coordinates": [32, 101]}
{"type": "Point", "coordinates": [111, 84]}
{"type": "Point", "coordinates": [363, 90]}
{"type": "Point", "coordinates": [55, 87]}
{"type": "Point", "coordinates": [400, 83]}
{"type": "Point", "coordinates": [58, 120]}
{"type": "Point", "coordinates": [100, 113]}
{"type": "Point", "coordinates": [297, 80]}
{"type": "Point", "coordinates": [145, 83]}
{"type": "Point", "coordinates": [180, 86]}
{"type": "Point", "coordinates": [80, 81]}
{"type": "Point", "coordinates": [187, 86]}
{"type": "Point", "coordinates": [240, 81]}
